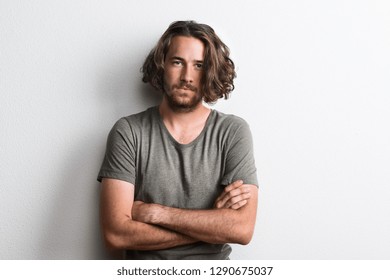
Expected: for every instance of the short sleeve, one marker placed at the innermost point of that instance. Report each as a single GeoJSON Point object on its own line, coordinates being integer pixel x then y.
{"type": "Point", "coordinates": [119, 158]}
{"type": "Point", "coordinates": [240, 162]}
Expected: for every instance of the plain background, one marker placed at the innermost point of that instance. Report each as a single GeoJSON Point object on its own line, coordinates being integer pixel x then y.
{"type": "Point", "coordinates": [313, 83]}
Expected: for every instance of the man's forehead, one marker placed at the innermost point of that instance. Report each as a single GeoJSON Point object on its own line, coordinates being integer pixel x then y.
{"type": "Point", "coordinates": [186, 45]}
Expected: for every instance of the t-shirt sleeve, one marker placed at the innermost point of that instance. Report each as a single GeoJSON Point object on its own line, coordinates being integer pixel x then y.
{"type": "Point", "coordinates": [119, 158]}
{"type": "Point", "coordinates": [240, 162]}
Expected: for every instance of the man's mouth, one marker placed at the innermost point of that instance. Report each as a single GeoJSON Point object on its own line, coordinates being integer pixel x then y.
{"type": "Point", "coordinates": [187, 87]}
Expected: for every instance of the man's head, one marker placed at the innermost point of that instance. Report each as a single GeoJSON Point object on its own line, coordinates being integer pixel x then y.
{"type": "Point", "coordinates": [190, 57]}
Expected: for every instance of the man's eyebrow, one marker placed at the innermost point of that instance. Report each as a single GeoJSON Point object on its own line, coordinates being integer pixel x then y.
{"type": "Point", "coordinates": [182, 59]}
{"type": "Point", "coordinates": [177, 58]}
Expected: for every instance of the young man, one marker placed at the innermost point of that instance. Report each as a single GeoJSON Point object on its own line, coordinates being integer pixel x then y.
{"type": "Point", "coordinates": [179, 180]}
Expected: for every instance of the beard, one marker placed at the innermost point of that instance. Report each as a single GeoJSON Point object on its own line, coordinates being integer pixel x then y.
{"type": "Point", "coordinates": [183, 97]}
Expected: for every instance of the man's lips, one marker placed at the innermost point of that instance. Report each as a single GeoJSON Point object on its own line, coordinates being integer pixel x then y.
{"type": "Point", "coordinates": [186, 87]}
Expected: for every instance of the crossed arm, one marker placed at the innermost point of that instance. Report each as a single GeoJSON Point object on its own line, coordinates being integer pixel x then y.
{"type": "Point", "coordinates": [134, 225]}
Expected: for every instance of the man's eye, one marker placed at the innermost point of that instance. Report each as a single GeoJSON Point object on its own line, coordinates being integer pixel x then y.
{"type": "Point", "coordinates": [199, 65]}
{"type": "Point", "coordinates": [176, 62]}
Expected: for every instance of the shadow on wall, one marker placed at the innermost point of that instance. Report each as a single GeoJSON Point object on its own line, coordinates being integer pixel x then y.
{"type": "Point", "coordinates": [72, 222]}
{"type": "Point", "coordinates": [71, 228]}
{"type": "Point", "coordinates": [120, 87]}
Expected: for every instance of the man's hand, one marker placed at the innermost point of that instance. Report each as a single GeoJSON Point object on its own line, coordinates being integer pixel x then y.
{"type": "Point", "coordinates": [144, 212]}
{"type": "Point", "coordinates": [234, 196]}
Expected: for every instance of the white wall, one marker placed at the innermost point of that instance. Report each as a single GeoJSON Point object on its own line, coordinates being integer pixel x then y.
{"type": "Point", "coordinates": [313, 83]}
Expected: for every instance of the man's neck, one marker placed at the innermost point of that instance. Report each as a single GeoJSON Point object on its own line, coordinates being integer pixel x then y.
{"type": "Point", "coordinates": [184, 126]}
{"type": "Point", "coordinates": [183, 119]}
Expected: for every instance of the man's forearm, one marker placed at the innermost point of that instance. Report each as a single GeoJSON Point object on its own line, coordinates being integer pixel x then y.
{"type": "Point", "coordinates": [121, 231]}
{"type": "Point", "coordinates": [134, 235]}
{"type": "Point", "coordinates": [212, 226]}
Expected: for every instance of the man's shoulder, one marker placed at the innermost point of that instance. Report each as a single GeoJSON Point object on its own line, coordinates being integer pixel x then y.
{"type": "Point", "coordinates": [135, 122]}
{"type": "Point", "coordinates": [229, 120]}
{"type": "Point", "coordinates": [140, 116]}
{"type": "Point", "coordinates": [137, 118]}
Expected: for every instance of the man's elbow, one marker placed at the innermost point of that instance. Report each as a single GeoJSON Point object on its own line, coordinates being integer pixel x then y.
{"type": "Point", "coordinates": [112, 241]}
{"type": "Point", "coordinates": [242, 234]}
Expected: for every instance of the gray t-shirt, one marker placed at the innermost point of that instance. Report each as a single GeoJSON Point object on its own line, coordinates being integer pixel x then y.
{"type": "Point", "coordinates": [141, 151]}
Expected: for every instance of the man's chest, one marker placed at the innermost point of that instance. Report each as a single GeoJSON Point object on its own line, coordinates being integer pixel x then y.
{"type": "Point", "coordinates": [179, 176]}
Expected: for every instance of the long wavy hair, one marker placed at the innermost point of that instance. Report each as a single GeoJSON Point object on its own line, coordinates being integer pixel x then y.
{"type": "Point", "coordinates": [218, 68]}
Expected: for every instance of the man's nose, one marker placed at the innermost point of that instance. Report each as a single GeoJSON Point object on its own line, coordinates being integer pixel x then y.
{"type": "Point", "coordinates": [186, 74]}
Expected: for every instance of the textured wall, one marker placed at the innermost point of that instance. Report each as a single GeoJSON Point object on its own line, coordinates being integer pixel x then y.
{"type": "Point", "coordinates": [313, 83]}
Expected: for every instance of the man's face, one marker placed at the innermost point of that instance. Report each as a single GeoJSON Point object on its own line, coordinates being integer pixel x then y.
{"type": "Point", "coordinates": [183, 72]}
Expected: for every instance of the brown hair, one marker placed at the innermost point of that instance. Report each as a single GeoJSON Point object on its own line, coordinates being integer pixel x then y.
{"type": "Point", "coordinates": [218, 68]}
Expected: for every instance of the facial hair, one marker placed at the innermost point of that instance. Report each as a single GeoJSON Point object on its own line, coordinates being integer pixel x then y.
{"type": "Point", "coordinates": [175, 101]}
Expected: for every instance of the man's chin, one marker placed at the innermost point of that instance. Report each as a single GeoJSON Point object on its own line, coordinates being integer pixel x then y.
{"type": "Point", "coordinates": [183, 103]}
{"type": "Point", "coordinates": [183, 106]}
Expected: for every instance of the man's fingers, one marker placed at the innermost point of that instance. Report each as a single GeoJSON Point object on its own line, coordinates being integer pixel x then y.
{"type": "Point", "coordinates": [239, 204]}
{"type": "Point", "coordinates": [237, 199]}
{"type": "Point", "coordinates": [220, 199]}
{"type": "Point", "coordinates": [234, 185]}
{"type": "Point", "coordinates": [233, 197]}
{"type": "Point", "coordinates": [226, 196]}
{"type": "Point", "coordinates": [233, 193]}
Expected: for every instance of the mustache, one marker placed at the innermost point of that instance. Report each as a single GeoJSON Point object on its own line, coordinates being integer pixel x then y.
{"type": "Point", "coordinates": [186, 86]}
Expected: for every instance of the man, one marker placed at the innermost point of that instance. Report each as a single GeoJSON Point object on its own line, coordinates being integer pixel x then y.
{"type": "Point", "coordinates": [179, 180]}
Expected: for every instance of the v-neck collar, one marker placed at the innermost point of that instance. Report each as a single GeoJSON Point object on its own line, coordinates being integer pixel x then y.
{"type": "Point", "coordinates": [172, 139]}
